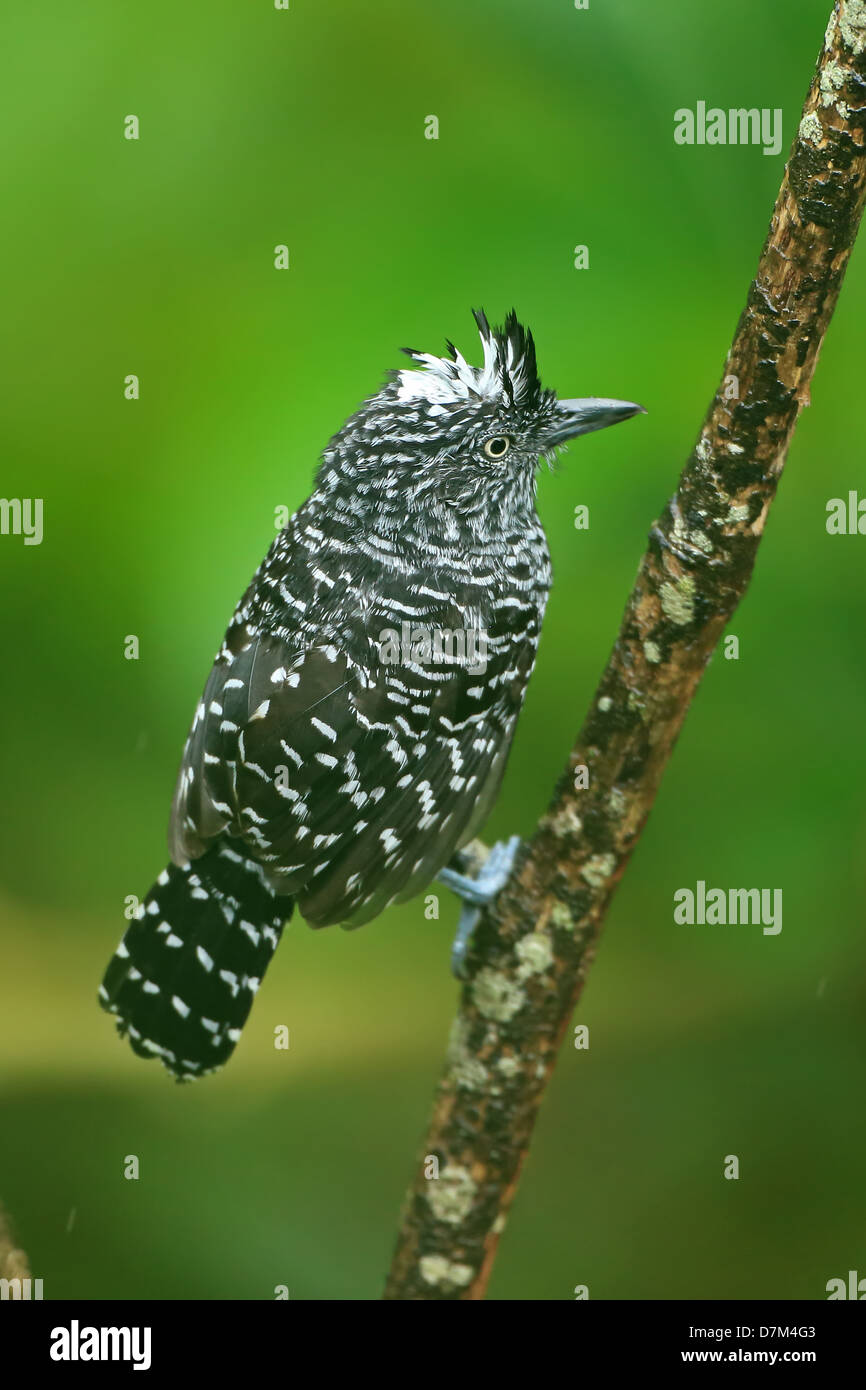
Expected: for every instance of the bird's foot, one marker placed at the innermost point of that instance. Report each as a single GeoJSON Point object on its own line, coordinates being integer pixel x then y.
{"type": "Point", "coordinates": [476, 892]}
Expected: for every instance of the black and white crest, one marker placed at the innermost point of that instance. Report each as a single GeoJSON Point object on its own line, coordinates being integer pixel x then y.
{"type": "Point", "coordinates": [508, 375]}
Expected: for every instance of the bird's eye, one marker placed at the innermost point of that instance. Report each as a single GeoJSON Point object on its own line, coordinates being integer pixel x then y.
{"type": "Point", "coordinates": [497, 446]}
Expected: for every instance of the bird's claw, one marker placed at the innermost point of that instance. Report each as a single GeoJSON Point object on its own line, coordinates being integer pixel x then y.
{"type": "Point", "coordinates": [476, 893]}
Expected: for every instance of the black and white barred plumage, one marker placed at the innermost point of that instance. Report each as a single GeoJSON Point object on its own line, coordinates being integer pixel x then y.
{"type": "Point", "coordinates": [320, 771]}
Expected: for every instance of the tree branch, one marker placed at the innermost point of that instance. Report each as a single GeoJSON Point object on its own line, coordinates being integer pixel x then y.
{"type": "Point", "coordinates": [13, 1262]}
{"type": "Point", "coordinates": [534, 947]}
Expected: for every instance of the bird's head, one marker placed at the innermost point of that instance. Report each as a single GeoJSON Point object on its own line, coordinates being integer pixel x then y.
{"type": "Point", "coordinates": [465, 441]}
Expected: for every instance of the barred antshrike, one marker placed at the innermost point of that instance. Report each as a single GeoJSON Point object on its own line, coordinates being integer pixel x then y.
{"type": "Point", "coordinates": [327, 765]}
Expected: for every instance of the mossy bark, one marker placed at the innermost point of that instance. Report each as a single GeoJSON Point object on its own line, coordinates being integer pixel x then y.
{"type": "Point", "coordinates": [13, 1262]}
{"type": "Point", "coordinates": [534, 947]}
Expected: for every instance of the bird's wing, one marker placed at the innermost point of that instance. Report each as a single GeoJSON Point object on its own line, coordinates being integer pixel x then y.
{"type": "Point", "coordinates": [259, 742]}
{"type": "Point", "coordinates": [350, 780]}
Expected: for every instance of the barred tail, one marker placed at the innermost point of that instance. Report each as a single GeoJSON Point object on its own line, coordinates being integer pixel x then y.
{"type": "Point", "coordinates": [183, 979]}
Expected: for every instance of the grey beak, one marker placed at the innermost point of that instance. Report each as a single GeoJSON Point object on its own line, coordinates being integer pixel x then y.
{"type": "Point", "coordinates": [583, 416]}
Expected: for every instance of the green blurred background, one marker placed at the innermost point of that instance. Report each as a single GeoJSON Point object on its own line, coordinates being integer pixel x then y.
{"type": "Point", "coordinates": [155, 257]}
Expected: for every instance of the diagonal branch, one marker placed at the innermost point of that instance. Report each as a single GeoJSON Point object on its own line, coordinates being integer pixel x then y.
{"type": "Point", "coordinates": [13, 1262]}
{"type": "Point", "coordinates": [535, 945]}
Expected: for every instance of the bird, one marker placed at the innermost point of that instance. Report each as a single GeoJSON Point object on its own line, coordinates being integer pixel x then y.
{"type": "Point", "coordinates": [354, 729]}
